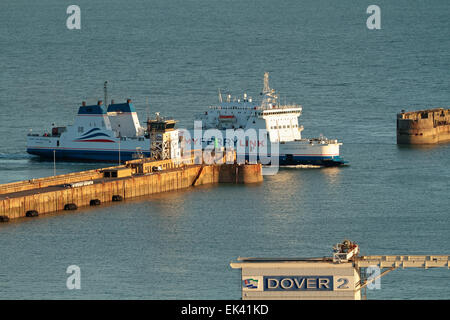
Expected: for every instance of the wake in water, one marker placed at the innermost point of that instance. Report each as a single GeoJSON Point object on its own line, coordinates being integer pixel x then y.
{"type": "Point", "coordinates": [15, 156]}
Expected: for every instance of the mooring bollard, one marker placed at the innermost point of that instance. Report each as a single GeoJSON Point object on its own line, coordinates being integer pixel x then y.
{"type": "Point", "coordinates": [32, 213]}
{"type": "Point", "coordinates": [94, 202]}
{"type": "Point", "coordinates": [117, 198]}
{"type": "Point", "coordinates": [70, 206]}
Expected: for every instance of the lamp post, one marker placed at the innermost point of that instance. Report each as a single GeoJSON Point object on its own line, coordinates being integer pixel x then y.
{"type": "Point", "coordinates": [119, 149]}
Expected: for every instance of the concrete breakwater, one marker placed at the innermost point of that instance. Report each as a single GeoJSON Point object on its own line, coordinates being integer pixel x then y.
{"type": "Point", "coordinates": [67, 192]}
{"type": "Point", "coordinates": [423, 126]}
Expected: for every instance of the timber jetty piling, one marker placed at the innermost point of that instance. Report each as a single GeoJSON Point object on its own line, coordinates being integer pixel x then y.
{"type": "Point", "coordinates": [133, 179]}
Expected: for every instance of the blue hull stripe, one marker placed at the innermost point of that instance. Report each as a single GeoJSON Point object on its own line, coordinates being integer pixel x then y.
{"type": "Point", "coordinates": [309, 160]}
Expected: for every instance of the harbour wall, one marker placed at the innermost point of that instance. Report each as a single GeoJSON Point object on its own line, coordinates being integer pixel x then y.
{"type": "Point", "coordinates": [50, 197]}
{"type": "Point", "coordinates": [423, 127]}
{"type": "Point", "coordinates": [49, 181]}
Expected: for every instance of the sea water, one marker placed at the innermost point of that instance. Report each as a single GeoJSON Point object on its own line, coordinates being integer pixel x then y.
{"type": "Point", "coordinates": [350, 80]}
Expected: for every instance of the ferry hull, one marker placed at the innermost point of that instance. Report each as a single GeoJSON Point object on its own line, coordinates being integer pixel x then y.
{"type": "Point", "coordinates": [113, 156]}
{"type": "Point", "coordinates": [49, 147]}
{"type": "Point", "coordinates": [290, 153]}
{"type": "Point", "coordinates": [323, 161]}
{"type": "Point", "coordinates": [326, 161]}
{"type": "Point", "coordinates": [85, 155]}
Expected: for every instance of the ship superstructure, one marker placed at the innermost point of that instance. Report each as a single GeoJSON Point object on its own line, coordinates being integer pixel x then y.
{"type": "Point", "coordinates": [98, 133]}
{"type": "Point", "coordinates": [280, 122]}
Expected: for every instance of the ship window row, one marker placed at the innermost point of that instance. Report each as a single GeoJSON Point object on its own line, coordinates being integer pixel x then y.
{"type": "Point", "coordinates": [231, 108]}
{"type": "Point", "coordinates": [279, 112]}
{"type": "Point", "coordinates": [285, 126]}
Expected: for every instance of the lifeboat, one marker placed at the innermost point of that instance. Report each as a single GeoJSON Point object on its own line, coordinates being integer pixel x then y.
{"type": "Point", "coordinates": [227, 118]}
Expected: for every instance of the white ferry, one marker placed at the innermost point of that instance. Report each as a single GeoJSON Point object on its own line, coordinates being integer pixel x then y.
{"type": "Point", "coordinates": [280, 122]}
{"type": "Point", "coordinates": [98, 134]}
{"type": "Point", "coordinates": [113, 133]}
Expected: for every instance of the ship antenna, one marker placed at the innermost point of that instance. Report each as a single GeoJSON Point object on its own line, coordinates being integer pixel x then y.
{"type": "Point", "coordinates": [147, 108]}
{"type": "Point", "coordinates": [105, 91]}
{"type": "Point", "coordinates": [266, 88]}
{"type": "Point", "coordinates": [266, 92]}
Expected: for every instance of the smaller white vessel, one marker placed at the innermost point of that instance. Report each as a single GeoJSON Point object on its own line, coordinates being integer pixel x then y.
{"type": "Point", "coordinates": [98, 134]}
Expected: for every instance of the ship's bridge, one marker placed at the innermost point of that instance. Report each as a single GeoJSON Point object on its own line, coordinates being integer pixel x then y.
{"type": "Point", "coordinates": [282, 123]}
{"type": "Point", "coordinates": [280, 120]}
{"type": "Point", "coordinates": [89, 117]}
{"type": "Point", "coordinates": [124, 119]}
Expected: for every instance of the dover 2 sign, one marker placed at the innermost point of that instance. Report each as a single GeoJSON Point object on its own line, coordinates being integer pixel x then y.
{"type": "Point", "coordinates": [294, 283]}
{"type": "Point", "coordinates": [298, 283]}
